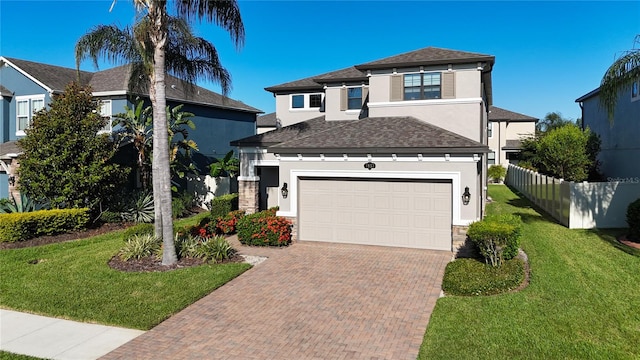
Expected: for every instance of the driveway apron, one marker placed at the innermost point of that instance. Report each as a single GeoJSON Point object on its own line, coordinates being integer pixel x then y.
{"type": "Point", "coordinates": [308, 301]}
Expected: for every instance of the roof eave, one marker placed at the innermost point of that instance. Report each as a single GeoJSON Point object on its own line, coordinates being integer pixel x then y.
{"type": "Point", "coordinates": [588, 95]}
{"type": "Point", "coordinates": [363, 67]}
{"type": "Point", "coordinates": [377, 150]}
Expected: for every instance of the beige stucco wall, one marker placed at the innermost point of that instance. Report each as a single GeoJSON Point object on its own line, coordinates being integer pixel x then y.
{"type": "Point", "coordinates": [332, 105]}
{"type": "Point", "coordinates": [460, 118]}
{"type": "Point", "coordinates": [289, 116]}
{"type": "Point", "coordinates": [503, 131]}
{"type": "Point", "coordinates": [465, 173]}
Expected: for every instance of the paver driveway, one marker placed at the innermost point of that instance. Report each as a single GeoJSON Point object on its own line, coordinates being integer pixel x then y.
{"type": "Point", "coordinates": [308, 301]}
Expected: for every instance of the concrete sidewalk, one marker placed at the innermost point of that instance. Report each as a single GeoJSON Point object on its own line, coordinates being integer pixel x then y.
{"type": "Point", "coordinates": [52, 338]}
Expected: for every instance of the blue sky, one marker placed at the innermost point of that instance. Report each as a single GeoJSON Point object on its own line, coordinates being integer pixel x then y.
{"type": "Point", "coordinates": [547, 53]}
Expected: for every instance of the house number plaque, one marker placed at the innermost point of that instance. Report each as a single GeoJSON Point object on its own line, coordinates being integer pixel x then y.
{"type": "Point", "coordinates": [369, 165]}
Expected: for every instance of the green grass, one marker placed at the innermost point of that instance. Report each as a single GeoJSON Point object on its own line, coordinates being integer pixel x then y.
{"type": "Point", "coordinates": [5, 355]}
{"type": "Point", "coordinates": [73, 281]}
{"type": "Point", "coordinates": [582, 302]}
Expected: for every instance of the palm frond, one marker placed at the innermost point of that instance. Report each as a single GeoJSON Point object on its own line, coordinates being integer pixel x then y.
{"type": "Point", "coordinates": [619, 77]}
{"type": "Point", "coordinates": [224, 13]}
{"type": "Point", "coordinates": [108, 42]}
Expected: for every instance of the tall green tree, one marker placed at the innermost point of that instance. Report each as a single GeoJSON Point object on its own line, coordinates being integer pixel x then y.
{"type": "Point", "coordinates": [567, 152]}
{"type": "Point", "coordinates": [619, 77]}
{"type": "Point", "coordinates": [552, 120]}
{"type": "Point", "coordinates": [159, 47]}
{"type": "Point", "coordinates": [65, 161]}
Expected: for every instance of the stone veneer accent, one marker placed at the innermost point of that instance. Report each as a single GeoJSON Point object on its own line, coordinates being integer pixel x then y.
{"type": "Point", "coordinates": [248, 196]}
{"type": "Point", "coordinates": [294, 228]}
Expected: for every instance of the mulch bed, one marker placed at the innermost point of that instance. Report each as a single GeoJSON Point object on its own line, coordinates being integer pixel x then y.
{"type": "Point", "coordinates": [52, 239]}
{"type": "Point", "coordinates": [626, 241]}
{"type": "Point", "coordinates": [152, 264]}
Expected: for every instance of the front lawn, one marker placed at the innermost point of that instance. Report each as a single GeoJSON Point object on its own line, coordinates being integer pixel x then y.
{"type": "Point", "coordinates": [582, 302]}
{"type": "Point", "coordinates": [73, 281]}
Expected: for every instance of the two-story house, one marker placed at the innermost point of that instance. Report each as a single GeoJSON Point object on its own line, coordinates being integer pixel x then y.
{"type": "Point", "coordinates": [391, 152]}
{"type": "Point", "coordinates": [26, 87]}
{"type": "Point", "coordinates": [619, 148]}
{"type": "Point", "coordinates": [505, 132]}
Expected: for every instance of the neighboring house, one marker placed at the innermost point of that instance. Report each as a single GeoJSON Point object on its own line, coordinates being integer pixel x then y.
{"type": "Point", "coordinates": [390, 152]}
{"type": "Point", "coordinates": [505, 133]}
{"type": "Point", "coordinates": [27, 87]}
{"type": "Point", "coordinates": [620, 148]}
{"type": "Point", "coordinates": [267, 122]}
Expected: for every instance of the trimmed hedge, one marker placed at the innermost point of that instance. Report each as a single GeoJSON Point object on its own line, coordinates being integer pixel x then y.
{"type": "Point", "coordinates": [497, 237]}
{"type": "Point", "coordinates": [264, 228]}
{"type": "Point", "coordinates": [224, 204]}
{"type": "Point", "coordinates": [471, 277]}
{"type": "Point", "coordinates": [633, 219]}
{"type": "Point", "coordinates": [24, 226]}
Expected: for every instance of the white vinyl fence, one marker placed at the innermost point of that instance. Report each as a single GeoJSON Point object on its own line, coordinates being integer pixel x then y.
{"type": "Point", "coordinates": [583, 205]}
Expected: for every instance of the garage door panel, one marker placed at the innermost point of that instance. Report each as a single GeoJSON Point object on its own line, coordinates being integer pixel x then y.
{"type": "Point", "coordinates": [376, 212]}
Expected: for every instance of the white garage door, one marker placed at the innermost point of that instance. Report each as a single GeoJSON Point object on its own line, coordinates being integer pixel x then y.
{"type": "Point", "coordinates": [414, 214]}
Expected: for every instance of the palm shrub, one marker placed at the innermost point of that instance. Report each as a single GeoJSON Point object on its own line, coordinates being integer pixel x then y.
{"type": "Point", "coordinates": [497, 172]}
{"type": "Point", "coordinates": [497, 237]}
{"type": "Point", "coordinates": [216, 248]}
{"type": "Point", "coordinates": [140, 246]}
{"type": "Point", "coordinates": [26, 204]}
{"type": "Point", "coordinates": [140, 209]}
{"type": "Point", "coordinates": [633, 219]}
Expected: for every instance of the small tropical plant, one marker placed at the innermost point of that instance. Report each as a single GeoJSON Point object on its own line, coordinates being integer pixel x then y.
{"type": "Point", "coordinates": [141, 209]}
{"type": "Point", "coordinates": [25, 204]}
{"type": "Point", "coordinates": [140, 246]}
{"type": "Point", "coordinates": [225, 167]}
{"type": "Point", "coordinates": [216, 248]}
{"type": "Point", "coordinates": [497, 172]}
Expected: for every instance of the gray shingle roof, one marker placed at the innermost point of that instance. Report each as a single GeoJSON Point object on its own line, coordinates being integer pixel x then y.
{"type": "Point", "coordinates": [116, 79]}
{"type": "Point", "coordinates": [267, 120]}
{"type": "Point", "coordinates": [294, 131]}
{"type": "Point", "coordinates": [512, 145]}
{"type": "Point", "coordinates": [55, 77]}
{"type": "Point", "coordinates": [5, 92]}
{"type": "Point", "coordinates": [499, 114]}
{"type": "Point", "coordinates": [427, 56]}
{"type": "Point", "coordinates": [315, 82]}
{"type": "Point", "coordinates": [368, 135]}
{"type": "Point", "coordinates": [9, 147]}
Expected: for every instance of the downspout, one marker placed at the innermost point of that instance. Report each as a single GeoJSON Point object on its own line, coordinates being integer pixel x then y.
{"type": "Point", "coordinates": [582, 115]}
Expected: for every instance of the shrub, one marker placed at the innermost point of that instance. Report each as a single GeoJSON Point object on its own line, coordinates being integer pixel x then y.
{"type": "Point", "coordinates": [216, 248]}
{"type": "Point", "coordinates": [24, 226]}
{"type": "Point", "coordinates": [25, 204]}
{"type": "Point", "coordinates": [224, 204]}
{"type": "Point", "coordinates": [497, 237]}
{"type": "Point", "coordinates": [472, 277]}
{"type": "Point", "coordinates": [111, 217]}
{"type": "Point", "coordinates": [562, 152]}
{"type": "Point", "coordinates": [497, 172]}
{"type": "Point", "coordinates": [182, 204]}
{"type": "Point", "coordinates": [264, 228]}
{"type": "Point", "coordinates": [633, 219]}
{"type": "Point", "coordinates": [137, 230]}
{"type": "Point", "coordinates": [228, 223]}
{"type": "Point", "coordinates": [140, 209]}
{"type": "Point", "coordinates": [139, 246]}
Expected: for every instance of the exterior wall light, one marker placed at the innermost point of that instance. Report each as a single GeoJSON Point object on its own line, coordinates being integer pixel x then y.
{"type": "Point", "coordinates": [284, 190]}
{"type": "Point", "coordinates": [466, 196]}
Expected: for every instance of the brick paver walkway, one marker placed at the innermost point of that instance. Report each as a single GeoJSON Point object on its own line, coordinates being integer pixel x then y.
{"type": "Point", "coordinates": [308, 301]}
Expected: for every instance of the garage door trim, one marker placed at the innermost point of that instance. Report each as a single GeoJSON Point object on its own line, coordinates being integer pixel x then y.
{"type": "Point", "coordinates": [454, 177]}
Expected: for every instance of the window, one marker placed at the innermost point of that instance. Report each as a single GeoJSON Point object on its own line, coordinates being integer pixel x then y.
{"type": "Point", "coordinates": [297, 101]}
{"type": "Point", "coordinates": [491, 158]}
{"type": "Point", "coordinates": [354, 98]}
{"type": "Point", "coordinates": [26, 107]}
{"type": "Point", "coordinates": [105, 110]}
{"type": "Point", "coordinates": [422, 86]}
{"type": "Point", "coordinates": [490, 129]}
{"type": "Point", "coordinates": [315, 100]}
{"type": "Point", "coordinates": [635, 90]}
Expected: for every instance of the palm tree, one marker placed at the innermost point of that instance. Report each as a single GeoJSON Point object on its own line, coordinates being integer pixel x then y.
{"type": "Point", "coordinates": [135, 128]}
{"type": "Point", "coordinates": [153, 54]}
{"type": "Point", "coordinates": [619, 77]}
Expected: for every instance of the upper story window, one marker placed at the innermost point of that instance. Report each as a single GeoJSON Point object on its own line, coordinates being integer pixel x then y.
{"type": "Point", "coordinates": [490, 129]}
{"type": "Point", "coordinates": [354, 98]}
{"type": "Point", "coordinates": [422, 86]}
{"type": "Point", "coordinates": [315, 100]}
{"type": "Point", "coordinates": [306, 101]}
{"type": "Point", "coordinates": [26, 107]}
{"type": "Point", "coordinates": [635, 90]}
{"type": "Point", "coordinates": [105, 110]}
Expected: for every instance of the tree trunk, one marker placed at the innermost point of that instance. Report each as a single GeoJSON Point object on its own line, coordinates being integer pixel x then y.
{"type": "Point", "coordinates": [161, 176]}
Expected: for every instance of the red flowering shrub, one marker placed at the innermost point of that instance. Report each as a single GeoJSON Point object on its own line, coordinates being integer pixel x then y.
{"type": "Point", "coordinates": [264, 229]}
{"type": "Point", "coordinates": [204, 229]}
{"type": "Point", "coordinates": [227, 224]}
